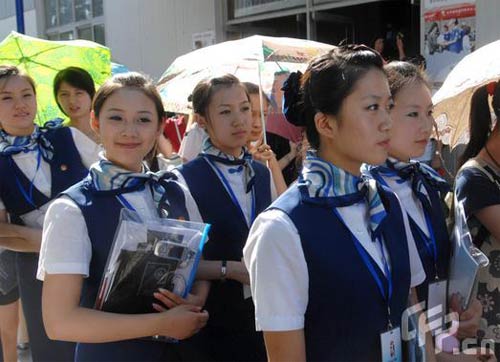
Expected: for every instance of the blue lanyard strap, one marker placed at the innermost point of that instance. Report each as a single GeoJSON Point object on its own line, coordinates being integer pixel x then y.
{"type": "Point", "coordinates": [231, 193]}
{"type": "Point", "coordinates": [429, 242]}
{"type": "Point", "coordinates": [28, 196]}
{"type": "Point", "coordinates": [125, 203]}
{"type": "Point", "coordinates": [369, 263]}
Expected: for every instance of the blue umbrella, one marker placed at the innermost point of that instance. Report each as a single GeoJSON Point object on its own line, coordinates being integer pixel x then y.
{"type": "Point", "coordinates": [118, 68]}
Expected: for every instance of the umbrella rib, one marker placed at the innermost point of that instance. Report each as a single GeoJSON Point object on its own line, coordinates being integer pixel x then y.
{"type": "Point", "coordinates": [9, 59]}
{"type": "Point", "coordinates": [36, 54]}
{"type": "Point", "coordinates": [19, 47]}
{"type": "Point", "coordinates": [44, 65]}
{"type": "Point", "coordinates": [47, 50]}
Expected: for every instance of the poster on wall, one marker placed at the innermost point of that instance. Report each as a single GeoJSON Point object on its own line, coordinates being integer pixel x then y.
{"type": "Point", "coordinates": [450, 34]}
{"type": "Point", "coordinates": [201, 40]}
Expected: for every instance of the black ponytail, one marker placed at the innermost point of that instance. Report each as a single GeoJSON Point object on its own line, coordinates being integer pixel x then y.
{"type": "Point", "coordinates": [480, 122]}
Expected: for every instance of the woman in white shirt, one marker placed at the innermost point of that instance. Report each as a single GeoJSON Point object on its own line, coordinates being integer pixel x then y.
{"type": "Point", "coordinates": [127, 114]}
{"type": "Point", "coordinates": [36, 164]}
{"type": "Point", "coordinates": [329, 262]}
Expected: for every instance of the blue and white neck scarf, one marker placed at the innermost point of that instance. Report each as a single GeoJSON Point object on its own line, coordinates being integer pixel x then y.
{"type": "Point", "coordinates": [107, 177]}
{"type": "Point", "coordinates": [242, 163]}
{"type": "Point", "coordinates": [325, 180]}
{"type": "Point", "coordinates": [12, 145]}
{"type": "Point", "coordinates": [416, 173]}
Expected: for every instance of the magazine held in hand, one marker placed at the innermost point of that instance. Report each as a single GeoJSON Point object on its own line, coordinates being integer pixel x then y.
{"type": "Point", "coordinates": [146, 256]}
{"type": "Point", "coordinates": [466, 259]}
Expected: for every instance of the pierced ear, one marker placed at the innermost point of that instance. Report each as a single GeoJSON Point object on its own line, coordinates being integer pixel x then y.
{"type": "Point", "coordinates": [325, 125]}
{"type": "Point", "coordinates": [94, 122]}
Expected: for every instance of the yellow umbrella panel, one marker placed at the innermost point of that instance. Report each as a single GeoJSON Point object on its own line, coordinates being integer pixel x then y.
{"type": "Point", "coordinates": [42, 59]}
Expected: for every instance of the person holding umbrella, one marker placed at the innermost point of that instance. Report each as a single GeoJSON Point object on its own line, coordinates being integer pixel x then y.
{"type": "Point", "coordinates": [36, 164]}
{"type": "Point", "coordinates": [260, 151]}
{"type": "Point", "coordinates": [478, 188]}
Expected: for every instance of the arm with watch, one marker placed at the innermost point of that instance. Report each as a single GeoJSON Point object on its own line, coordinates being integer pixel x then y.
{"type": "Point", "coordinates": [223, 269]}
{"type": "Point", "coordinates": [207, 271]}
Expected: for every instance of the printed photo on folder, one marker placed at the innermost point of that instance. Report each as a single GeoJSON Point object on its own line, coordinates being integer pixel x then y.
{"type": "Point", "coordinates": [146, 256]}
{"type": "Point", "coordinates": [466, 259]}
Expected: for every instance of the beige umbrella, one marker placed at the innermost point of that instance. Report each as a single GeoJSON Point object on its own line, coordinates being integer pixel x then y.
{"type": "Point", "coordinates": [452, 100]}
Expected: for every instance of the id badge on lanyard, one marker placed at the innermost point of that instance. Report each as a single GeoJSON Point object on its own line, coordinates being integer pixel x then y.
{"type": "Point", "coordinates": [390, 343]}
{"type": "Point", "coordinates": [437, 287]}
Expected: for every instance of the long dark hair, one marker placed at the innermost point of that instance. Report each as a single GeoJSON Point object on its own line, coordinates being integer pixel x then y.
{"type": "Point", "coordinates": [480, 122]}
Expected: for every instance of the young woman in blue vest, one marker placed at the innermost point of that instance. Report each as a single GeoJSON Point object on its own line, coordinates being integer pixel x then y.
{"type": "Point", "coordinates": [127, 115]}
{"type": "Point", "coordinates": [36, 164]}
{"type": "Point", "coordinates": [329, 262]}
{"type": "Point", "coordinates": [419, 188]}
{"type": "Point", "coordinates": [230, 190]}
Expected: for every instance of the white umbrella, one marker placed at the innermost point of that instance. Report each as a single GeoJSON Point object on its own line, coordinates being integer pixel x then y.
{"type": "Point", "coordinates": [452, 101]}
{"type": "Point", "coordinates": [254, 59]}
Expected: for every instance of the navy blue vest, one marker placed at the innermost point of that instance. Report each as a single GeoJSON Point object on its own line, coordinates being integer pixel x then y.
{"type": "Point", "coordinates": [438, 221]}
{"type": "Point", "coordinates": [346, 312]}
{"type": "Point", "coordinates": [227, 238]}
{"type": "Point", "coordinates": [101, 212]}
{"type": "Point", "coordinates": [66, 169]}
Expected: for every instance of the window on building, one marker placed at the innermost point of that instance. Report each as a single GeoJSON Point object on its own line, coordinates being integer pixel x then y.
{"type": "Point", "coordinates": [243, 8]}
{"type": "Point", "coordinates": [75, 19]}
{"type": "Point", "coordinates": [83, 10]}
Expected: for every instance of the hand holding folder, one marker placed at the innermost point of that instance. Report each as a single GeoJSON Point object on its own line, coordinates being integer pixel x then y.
{"type": "Point", "coordinates": [146, 256]}
{"type": "Point", "coordinates": [466, 259]}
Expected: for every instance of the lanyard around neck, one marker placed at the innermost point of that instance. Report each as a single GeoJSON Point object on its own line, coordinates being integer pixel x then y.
{"type": "Point", "coordinates": [429, 241]}
{"type": "Point", "coordinates": [371, 266]}
{"type": "Point", "coordinates": [231, 193]}
{"type": "Point", "coordinates": [28, 195]}
{"type": "Point", "coordinates": [125, 203]}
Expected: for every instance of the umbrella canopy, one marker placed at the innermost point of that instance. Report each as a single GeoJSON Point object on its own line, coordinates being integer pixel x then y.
{"type": "Point", "coordinates": [452, 101]}
{"type": "Point", "coordinates": [42, 59]}
{"type": "Point", "coordinates": [117, 68]}
{"type": "Point", "coordinates": [248, 59]}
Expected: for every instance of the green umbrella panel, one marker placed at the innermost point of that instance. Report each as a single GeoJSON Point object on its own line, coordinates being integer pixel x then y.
{"type": "Point", "coordinates": [42, 59]}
